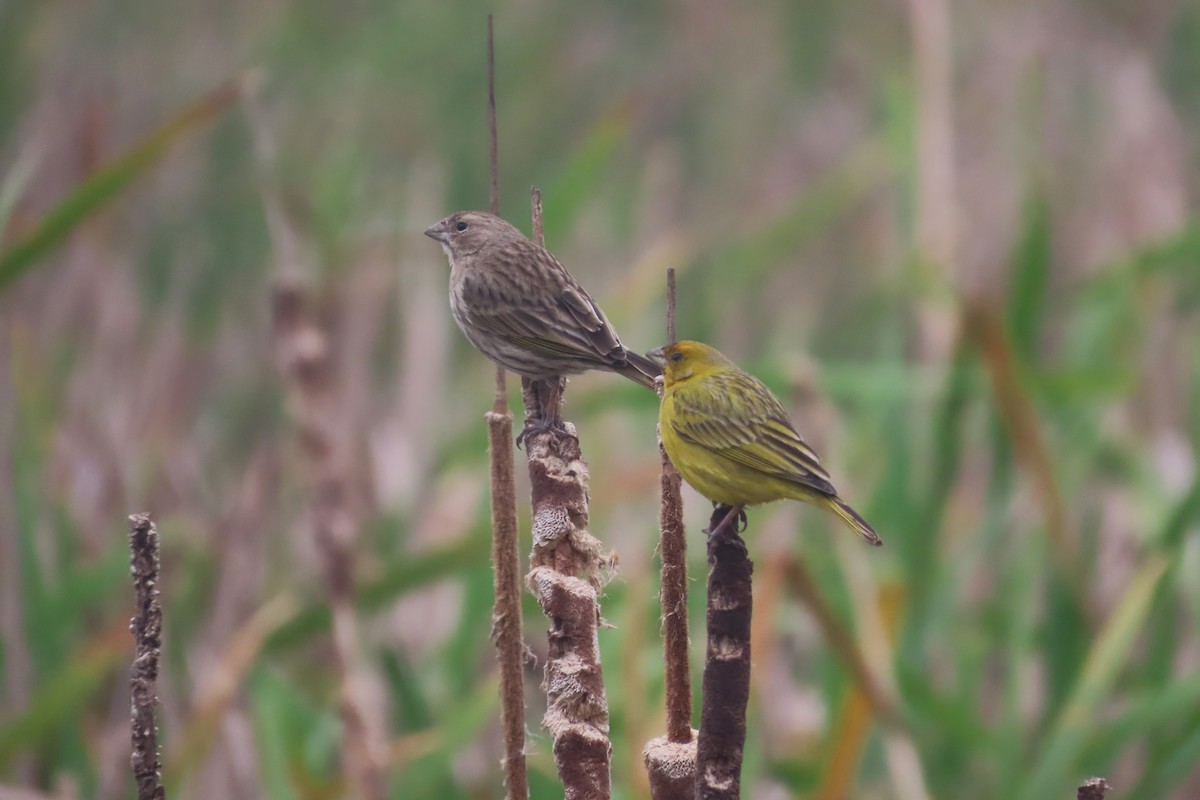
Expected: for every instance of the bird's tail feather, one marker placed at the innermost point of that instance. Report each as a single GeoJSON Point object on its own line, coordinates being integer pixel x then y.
{"type": "Point", "coordinates": [641, 369]}
{"type": "Point", "coordinates": [853, 521]}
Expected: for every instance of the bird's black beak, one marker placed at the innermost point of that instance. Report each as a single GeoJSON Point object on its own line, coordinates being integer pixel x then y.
{"type": "Point", "coordinates": [438, 232]}
{"type": "Point", "coordinates": [657, 356]}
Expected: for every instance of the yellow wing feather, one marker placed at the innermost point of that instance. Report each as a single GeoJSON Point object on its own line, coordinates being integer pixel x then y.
{"type": "Point", "coordinates": [735, 415]}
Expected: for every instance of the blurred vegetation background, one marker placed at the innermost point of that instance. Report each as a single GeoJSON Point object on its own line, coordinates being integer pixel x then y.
{"type": "Point", "coordinates": [961, 239]}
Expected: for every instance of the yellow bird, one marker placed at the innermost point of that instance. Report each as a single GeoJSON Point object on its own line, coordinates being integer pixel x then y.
{"type": "Point", "coordinates": [731, 439]}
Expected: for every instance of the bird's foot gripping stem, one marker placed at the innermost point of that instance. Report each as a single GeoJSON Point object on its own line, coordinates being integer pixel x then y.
{"type": "Point", "coordinates": [543, 409]}
{"type": "Point", "coordinates": [725, 527]}
{"type": "Point", "coordinates": [538, 425]}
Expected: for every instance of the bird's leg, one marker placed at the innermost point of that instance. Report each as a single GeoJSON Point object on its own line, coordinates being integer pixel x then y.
{"type": "Point", "coordinates": [735, 520]}
{"type": "Point", "coordinates": [552, 404]}
{"type": "Point", "coordinates": [543, 407]}
{"type": "Point", "coordinates": [742, 521]}
{"type": "Point", "coordinates": [725, 525]}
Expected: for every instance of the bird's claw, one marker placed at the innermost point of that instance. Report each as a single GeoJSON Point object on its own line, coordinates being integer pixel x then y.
{"type": "Point", "coordinates": [539, 425]}
{"type": "Point", "coordinates": [724, 536]}
{"type": "Point", "coordinates": [724, 514]}
{"type": "Point", "coordinates": [725, 528]}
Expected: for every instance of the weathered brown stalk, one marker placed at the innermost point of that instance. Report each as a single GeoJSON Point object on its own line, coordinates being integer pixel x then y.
{"type": "Point", "coordinates": [564, 576]}
{"type": "Point", "coordinates": [673, 597]}
{"type": "Point", "coordinates": [726, 687]}
{"type": "Point", "coordinates": [506, 613]}
{"type": "Point", "coordinates": [305, 360]}
{"type": "Point", "coordinates": [1092, 789]}
{"type": "Point", "coordinates": [146, 627]}
{"type": "Point", "coordinates": [304, 356]}
{"type": "Point", "coordinates": [671, 759]}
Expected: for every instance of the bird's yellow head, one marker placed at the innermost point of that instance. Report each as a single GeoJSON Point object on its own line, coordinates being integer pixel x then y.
{"type": "Point", "coordinates": [685, 360]}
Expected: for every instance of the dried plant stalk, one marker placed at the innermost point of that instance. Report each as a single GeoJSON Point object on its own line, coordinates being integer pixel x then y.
{"type": "Point", "coordinates": [305, 360]}
{"type": "Point", "coordinates": [1092, 789]}
{"type": "Point", "coordinates": [671, 759]}
{"type": "Point", "coordinates": [506, 613]}
{"type": "Point", "coordinates": [146, 626]}
{"type": "Point", "coordinates": [726, 687]}
{"type": "Point", "coordinates": [671, 767]}
{"type": "Point", "coordinates": [306, 363]}
{"type": "Point", "coordinates": [564, 576]}
{"type": "Point", "coordinates": [506, 566]}
{"type": "Point", "coordinates": [673, 597]}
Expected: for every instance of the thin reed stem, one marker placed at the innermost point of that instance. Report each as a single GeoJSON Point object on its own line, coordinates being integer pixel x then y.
{"type": "Point", "coordinates": [506, 565]}
{"type": "Point", "coordinates": [146, 626]}
{"type": "Point", "coordinates": [671, 759]}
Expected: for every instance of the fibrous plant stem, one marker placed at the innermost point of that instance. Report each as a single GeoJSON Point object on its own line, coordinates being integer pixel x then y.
{"type": "Point", "coordinates": [146, 627]}
{"type": "Point", "coordinates": [564, 576]}
{"type": "Point", "coordinates": [726, 686]}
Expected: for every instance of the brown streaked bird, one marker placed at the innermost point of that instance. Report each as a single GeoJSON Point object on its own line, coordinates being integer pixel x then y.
{"type": "Point", "coordinates": [517, 304]}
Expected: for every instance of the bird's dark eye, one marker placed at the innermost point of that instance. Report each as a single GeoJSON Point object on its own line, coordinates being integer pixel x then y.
{"type": "Point", "coordinates": [677, 356]}
{"type": "Point", "coordinates": [460, 227]}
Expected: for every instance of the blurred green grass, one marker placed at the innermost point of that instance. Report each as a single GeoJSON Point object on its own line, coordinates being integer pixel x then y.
{"type": "Point", "coordinates": [778, 155]}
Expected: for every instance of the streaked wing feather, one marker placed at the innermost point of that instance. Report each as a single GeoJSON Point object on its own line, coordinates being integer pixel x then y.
{"type": "Point", "coordinates": [557, 319]}
{"type": "Point", "coordinates": [737, 417]}
{"type": "Point", "coordinates": [576, 302]}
